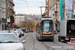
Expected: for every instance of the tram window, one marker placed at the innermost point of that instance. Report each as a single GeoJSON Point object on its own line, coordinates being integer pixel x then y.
{"type": "Point", "coordinates": [47, 26]}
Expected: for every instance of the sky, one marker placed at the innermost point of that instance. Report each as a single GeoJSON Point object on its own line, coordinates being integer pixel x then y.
{"type": "Point", "coordinates": [29, 6]}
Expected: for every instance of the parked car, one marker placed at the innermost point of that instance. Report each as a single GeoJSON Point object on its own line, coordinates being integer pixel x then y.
{"type": "Point", "coordinates": [23, 29]}
{"type": "Point", "coordinates": [32, 30]}
{"type": "Point", "coordinates": [4, 31]}
{"type": "Point", "coordinates": [11, 31]}
{"type": "Point", "coordinates": [10, 42]}
{"type": "Point", "coordinates": [20, 31]}
{"type": "Point", "coordinates": [16, 32]}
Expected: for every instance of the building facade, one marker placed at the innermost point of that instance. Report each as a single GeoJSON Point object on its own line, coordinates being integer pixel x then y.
{"type": "Point", "coordinates": [47, 8]}
{"type": "Point", "coordinates": [4, 9]}
{"type": "Point", "coordinates": [10, 11]}
{"type": "Point", "coordinates": [54, 10]}
{"type": "Point", "coordinates": [51, 8]}
{"type": "Point", "coordinates": [19, 19]}
{"type": "Point", "coordinates": [2, 14]}
{"type": "Point", "coordinates": [10, 8]}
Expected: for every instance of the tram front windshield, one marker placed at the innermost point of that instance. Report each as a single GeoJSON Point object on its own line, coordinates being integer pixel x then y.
{"type": "Point", "coordinates": [47, 26]}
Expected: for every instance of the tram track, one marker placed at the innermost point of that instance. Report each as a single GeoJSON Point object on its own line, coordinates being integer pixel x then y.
{"type": "Point", "coordinates": [33, 44]}
{"type": "Point", "coordinates": [65, 47]}
{"type": "Point", "coordinates": [34, 47]}
{"type": "Point", "coordinates": [57, 46]}
{"type": "Point", "coordinates": [60, 45]}
{"type": "Point", "coordinates": [25, 37]}
{"type": "Point", "coordinates": [48, 48]}
{"type": "Point", "coordinates": [51, 48]}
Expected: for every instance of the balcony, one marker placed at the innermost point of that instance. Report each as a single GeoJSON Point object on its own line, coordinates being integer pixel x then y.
{"type": "Point", "coordinates": [12, 11]}
{"type": "Point", "coordinates": [12, 3]}
{"type": "Point", "coordinates": [11, 7]}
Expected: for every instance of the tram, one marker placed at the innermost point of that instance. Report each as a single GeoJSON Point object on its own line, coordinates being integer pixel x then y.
{"type": "Point", "coordinates": [44, 29]}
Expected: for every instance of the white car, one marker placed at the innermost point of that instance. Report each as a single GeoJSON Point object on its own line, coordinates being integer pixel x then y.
{"type": "Point", "coordinates": [20, 31]}
{"type": "Point", "coordinates": [10, 42]}
{"type": "Point", "coordinates": [16, 32]}
{"type": "Point", "coordinates": [4, 31]}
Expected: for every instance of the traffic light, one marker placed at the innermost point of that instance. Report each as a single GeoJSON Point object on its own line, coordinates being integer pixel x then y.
{"type": "Point", "coordinates": [12, 19]}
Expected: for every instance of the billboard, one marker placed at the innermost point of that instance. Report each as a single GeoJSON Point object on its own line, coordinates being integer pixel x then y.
{"type": "Point", "coordinates": [69, 4]}
{"type": "Point", "coordinates": [68, 14]}
{"type": "Point", "coordinates": [68, 9]}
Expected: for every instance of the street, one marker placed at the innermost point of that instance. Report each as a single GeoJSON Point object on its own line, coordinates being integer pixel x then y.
{"type": "Point", "coordinates": [37, 25]}
{"type": "Point", "coordinates": [33, 44]}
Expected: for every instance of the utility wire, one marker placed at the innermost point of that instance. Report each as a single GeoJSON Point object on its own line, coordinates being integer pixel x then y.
{"type": "Point", "coordinates": [26, 4]}
{"type": "Point", "coordinates": [31, 1]}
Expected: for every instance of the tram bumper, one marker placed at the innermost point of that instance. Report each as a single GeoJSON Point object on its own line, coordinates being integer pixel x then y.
{"type": "Point", "coordinates": [47, 36]}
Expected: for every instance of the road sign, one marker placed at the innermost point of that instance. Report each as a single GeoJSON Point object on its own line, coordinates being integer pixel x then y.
{"type": "Point", "coordinates": [8, 19]}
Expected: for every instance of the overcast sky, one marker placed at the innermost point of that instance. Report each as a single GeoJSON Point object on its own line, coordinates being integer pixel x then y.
{"type": "Point", "coordinates": [29, 6]}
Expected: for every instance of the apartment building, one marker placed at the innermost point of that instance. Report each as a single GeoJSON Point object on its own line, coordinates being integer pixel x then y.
{"type": "Point", "coordinates": [10, 8]}
{"type": "Point", "coordinates": [19, 19]}
{"type": "Point", "coordinates": [10, 11]}
{"type": "Point", "coordinates": [47, 8]}
{"type": "Point", "coordinates": [2, 14]}
{"type": "Point", "coordinates": [4, 9]}
{"type": "Point", "coordinates": [52, 7]}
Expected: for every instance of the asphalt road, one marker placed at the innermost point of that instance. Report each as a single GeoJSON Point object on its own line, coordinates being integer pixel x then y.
{"type": "Point", "coordinates": [33, 44]}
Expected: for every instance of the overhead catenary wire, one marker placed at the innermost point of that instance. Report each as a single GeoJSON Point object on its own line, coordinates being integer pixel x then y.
{"type": "Point", "coordinates": [35, 2]}
{"type": "Point", "coordinates": [26, 4]}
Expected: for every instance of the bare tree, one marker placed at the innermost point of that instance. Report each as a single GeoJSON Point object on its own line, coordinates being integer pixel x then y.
{"type": "Point", "coordinates": [30, 24]}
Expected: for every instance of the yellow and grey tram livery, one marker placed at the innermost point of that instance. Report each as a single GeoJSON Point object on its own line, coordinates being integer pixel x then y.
{"type": "Point", "coordinates": [44, 29]}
